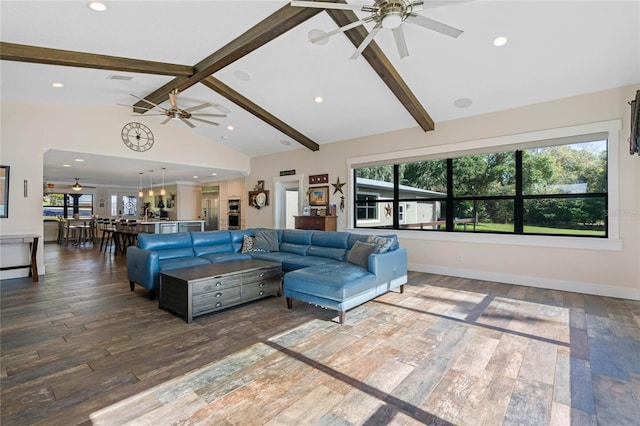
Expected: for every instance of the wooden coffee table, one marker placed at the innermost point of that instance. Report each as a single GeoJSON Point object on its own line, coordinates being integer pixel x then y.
{"type": "Point", "coordinates": [200, 290]}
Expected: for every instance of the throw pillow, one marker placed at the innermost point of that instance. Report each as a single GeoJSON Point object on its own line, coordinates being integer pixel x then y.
{"type": "Point", "coordinates": [266, 240]}
{"type": "Point", "coordinates": [247, 244]}
{"type": "Point", "coordinates": [384, 244]}
{"type": "Point", "coordinates": [359, 253]}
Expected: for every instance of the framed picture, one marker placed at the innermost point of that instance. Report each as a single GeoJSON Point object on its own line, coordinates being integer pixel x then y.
{"type": "Point", "coordinates": [260, 185]}
{"type": "Point", "coordinates": [319, 196]}
{"type": "Point", "coordinates": [4, 191]}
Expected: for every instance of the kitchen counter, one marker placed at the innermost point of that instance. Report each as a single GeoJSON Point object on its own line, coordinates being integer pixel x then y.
{"type": "Point", "coordinates": [171, 226]}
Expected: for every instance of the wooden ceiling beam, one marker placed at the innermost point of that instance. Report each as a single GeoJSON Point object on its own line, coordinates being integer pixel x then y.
{"type": "Point", "coordinates": [240, 100]}
{"type": "Point", "coordinates": [43, 55]}
{"type": "Point", "coordinates": [260, 34]}
{"type": "Point", "coordinates": [382, 66]}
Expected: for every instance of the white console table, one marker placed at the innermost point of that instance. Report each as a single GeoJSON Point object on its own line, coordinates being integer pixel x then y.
{"type": "Point", "coordinates": [30, 239]}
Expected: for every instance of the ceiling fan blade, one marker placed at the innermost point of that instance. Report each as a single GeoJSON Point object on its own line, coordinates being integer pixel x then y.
{"type": "Point", "coordinates": [401, 43]}
{"type": "Point", "coordinates": [185, 121]}
{"type": "Point", "coordinates": [430, 4]}
{"type": "Point", "coordinates": [327, 5]}
{"type": "Point", "coordinates": [197, 107]}
{"type": "Point", "coordinates": [149, 102]}
{"type": "Point", "coordinates": [366, 41]}
{"type": "Point", "coordinates": [166, 120]}
{"type": "Point", "coordinates": [205, 121]}
{"type": "Point", "coordinates": [340, 30]}
{"type": "Point", "coordinates": [436, 26]}
{"type": "Point", "coordinates": [221, 109]}
{"type": "Point", "coordinates": [416, 6]}
{"type": "Point", "coordinates": [209, 115]}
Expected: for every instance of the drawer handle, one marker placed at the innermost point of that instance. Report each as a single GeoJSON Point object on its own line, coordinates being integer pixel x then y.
{"type": "Point", "coordinates": [261, 284]}
{"type": "Point", "coordinates": [218, 304]}
{"type": "Point", "coordinates": [262, 274]}
{"type": "Point", "coordinates": [218, 284]}
{"type": "Point", "coordinates": [218, 294]}
{"type": "Point", "coordinates": [261, 292]}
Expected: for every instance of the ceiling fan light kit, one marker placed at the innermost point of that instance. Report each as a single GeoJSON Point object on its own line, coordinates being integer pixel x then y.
{"type": "Point", "coordinates": [387, 14]}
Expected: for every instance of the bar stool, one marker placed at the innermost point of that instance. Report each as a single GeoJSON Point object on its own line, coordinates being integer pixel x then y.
{"type": "Point", "coordinates": [107, 228]}
{"type": "Point", "coordinates": [71, 233]}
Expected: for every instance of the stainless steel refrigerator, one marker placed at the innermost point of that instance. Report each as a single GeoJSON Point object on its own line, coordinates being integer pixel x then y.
{"type": "Point", "coordinates": [210, 208]}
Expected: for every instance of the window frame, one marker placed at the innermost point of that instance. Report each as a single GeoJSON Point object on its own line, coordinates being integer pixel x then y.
{"type": "Point", "coordinates": [609, 130]}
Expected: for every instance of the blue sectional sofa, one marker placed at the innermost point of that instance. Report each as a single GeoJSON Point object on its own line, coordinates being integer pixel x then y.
{"type": "Point", "coordinates": [336, 270]}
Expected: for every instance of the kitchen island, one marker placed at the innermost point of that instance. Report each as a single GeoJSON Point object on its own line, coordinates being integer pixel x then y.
{"type": "Point", "coordinates": [171, 226]}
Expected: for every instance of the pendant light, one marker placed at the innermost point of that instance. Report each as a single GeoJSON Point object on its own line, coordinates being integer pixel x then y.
{"type": "Point", "coordinates": [162, 191]}
{"type": "Point", "coordinates": [151, 183]}
{"type": "Point", "coordinates": [140, 193]}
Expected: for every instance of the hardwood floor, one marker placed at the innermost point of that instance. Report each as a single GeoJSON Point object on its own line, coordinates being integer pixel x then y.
{"type": "Point", "coordinates": [80, 348]}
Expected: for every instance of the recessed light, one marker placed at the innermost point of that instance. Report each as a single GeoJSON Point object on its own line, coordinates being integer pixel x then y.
{"type": "Point", "coordinates": [79, 160]}
{"type": "Point", "coordinates": [66, 165]}
{"type": "Point", "coordinates": [283, 142]}
{"type": "Point", "coordinates": [57, 85]}
{"type": "Point", "coordinates": [318, 99]}
{"type": "Point", "coordinates": [230, 127]}
{"type": "Point", "coordinates": [195, 177]}
{"type": "Point", "coordinates": [462, 102]}
{"type": "Point", "coordinates": [499, 41]}
{"type": "Point", "coordinates": [214, 174]}
{"type": "Point", "coordinates": [241, 75]}
{"type": "Point", "coordinates": [316, 33]}
{"type": "Point", "coordinates": [225, 137]}
{"type": "Point", "coordinates": [97, 6]}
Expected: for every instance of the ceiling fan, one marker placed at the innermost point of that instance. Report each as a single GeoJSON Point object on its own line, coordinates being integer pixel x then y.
{"type": "Point", "coordinates": [185, 114]}
{"type": "Point", "coordinates": [77, 187]}
{"type": "Point", "coordinates": [387, 14]}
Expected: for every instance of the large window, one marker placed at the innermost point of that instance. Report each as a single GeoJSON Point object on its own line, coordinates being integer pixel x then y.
{"type": "Point", "coordinates": [66, 205]}
{"type": "Point", "coordinates": [546, 190]}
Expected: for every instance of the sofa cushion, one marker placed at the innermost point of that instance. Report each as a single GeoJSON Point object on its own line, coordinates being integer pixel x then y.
{"type": "Point", "coordinates": [298, 262]}
{"type": "Point", "coordinates": [328, 252]}
{"type": "Point", "coordinates": [338, 281]}
{"type": "Point", "coordinates": [165, 241]}
{"type": "Point", "coordinates": [272, 256]}
{"type": "Point", "coordinates": [182, 262]}
{"type": "Point", "coordinates": [297, 236]}
{"type": "Point", "coordinates": [330, 239]}
{"type": "Point", "coordinates": [177, 253]}
{"type": "Point", "coordinates": [294, 248]}
{"type": "Point", "coordinates": [247, 244]}
{"type": "Point", "coordinates": [209, 242]}
{"type": "Point", "coordinates": [359, 253]}
{"type": "Point", "coordinates": [266, 239]}
{"type": "Point", "coordinates": [383, 243]}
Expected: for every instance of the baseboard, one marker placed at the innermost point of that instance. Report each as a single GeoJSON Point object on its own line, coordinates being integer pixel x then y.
{"type": "Point", "coordinates": [552, 284]}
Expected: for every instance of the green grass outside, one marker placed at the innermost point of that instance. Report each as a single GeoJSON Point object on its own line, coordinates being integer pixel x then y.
{"type": "Point", "coordinates": [505, 227]}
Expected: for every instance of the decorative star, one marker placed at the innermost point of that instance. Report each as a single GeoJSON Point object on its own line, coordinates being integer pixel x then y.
{"type": "Point", "coordinates": [338, 186]}
{"type": "Point", "coordinates": [388, 210]}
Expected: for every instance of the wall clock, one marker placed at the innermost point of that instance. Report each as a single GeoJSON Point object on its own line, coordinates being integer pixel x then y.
{"type": "Point", "coordinates": [137, 137]}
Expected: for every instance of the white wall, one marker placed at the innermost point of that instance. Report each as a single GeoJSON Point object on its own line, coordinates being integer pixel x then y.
{"type": "Point", "coordinates": [28, 130]}
{"type": "Point", "coordinates": [613, 270]}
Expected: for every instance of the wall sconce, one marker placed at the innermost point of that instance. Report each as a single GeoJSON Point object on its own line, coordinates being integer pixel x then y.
{"type": "Point", "coordinates": [140, 193]}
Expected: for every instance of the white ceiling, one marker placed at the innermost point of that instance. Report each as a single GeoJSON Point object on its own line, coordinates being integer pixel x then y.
{"type": "Point", "coordinates": [555, 49]}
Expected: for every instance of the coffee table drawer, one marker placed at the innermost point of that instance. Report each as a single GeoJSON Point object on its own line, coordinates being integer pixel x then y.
{"type": "Point", "coordinates": [216, 284]}
{"type": "Point", "coordinates": [212, 301]}
{"type": "Point", "coordinates": [260, 275]}
{"type": "Point", "coordinates": [262, 288]}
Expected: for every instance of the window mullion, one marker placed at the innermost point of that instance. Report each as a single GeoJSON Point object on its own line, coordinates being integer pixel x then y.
{"type": "Point", "coordinates": [518, 208]}
{"type": "Point", "coordinates": [449, 207]}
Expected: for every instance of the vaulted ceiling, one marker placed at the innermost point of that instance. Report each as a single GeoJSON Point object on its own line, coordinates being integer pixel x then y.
{"type": "Point", "coordinates": [254, 59]}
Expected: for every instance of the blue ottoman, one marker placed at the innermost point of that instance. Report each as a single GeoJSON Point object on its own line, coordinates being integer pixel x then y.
{"type": "Point", "coordinates": [339, 286]}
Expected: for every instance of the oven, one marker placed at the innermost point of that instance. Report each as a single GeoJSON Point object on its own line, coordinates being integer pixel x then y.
{"type": "Point", "coordinates": [233, 214]}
